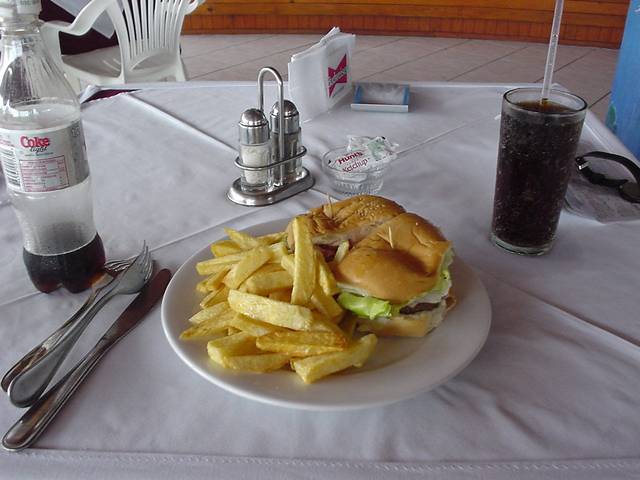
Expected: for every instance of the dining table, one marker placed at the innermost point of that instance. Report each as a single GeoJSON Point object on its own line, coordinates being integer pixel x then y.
{"type": "Point", "coordinates": [554, 392]}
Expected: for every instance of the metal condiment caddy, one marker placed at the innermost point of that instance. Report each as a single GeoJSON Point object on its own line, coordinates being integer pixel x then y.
{"type": "Point", "coordinates": [271, 153]}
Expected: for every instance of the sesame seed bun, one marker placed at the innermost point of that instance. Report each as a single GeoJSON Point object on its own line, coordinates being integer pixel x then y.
{"type": "Point", "coordinates": [351, 219]}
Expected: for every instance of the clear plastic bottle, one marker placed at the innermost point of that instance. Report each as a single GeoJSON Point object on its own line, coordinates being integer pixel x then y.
{"type": "Point", "coordinates": [44, 157]}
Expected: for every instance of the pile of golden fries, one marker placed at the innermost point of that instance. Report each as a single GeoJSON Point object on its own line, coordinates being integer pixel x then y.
{"type": "Point", "coordinates": [265, 308]}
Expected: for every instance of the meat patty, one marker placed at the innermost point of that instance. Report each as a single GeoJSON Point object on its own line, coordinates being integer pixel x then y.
{"type": "Point", "coordinates": [419, 307]}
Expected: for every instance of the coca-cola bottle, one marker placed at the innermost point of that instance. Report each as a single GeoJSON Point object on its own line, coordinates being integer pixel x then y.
{"type": "Point", "coordinates": [44, 157]}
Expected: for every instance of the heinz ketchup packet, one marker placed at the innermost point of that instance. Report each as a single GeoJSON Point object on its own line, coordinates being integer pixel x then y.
{"type": "Point", "coordinates": [365, 153]}
{"type": "Point", "coordinates": [320, 76]}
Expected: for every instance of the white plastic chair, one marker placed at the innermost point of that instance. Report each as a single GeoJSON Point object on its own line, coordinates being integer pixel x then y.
{"type": "Point", "coordinates": [148, 33]}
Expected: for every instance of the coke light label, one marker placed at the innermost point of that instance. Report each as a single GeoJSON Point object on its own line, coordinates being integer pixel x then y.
{"type": "Point", "coordinates": [43, 160]}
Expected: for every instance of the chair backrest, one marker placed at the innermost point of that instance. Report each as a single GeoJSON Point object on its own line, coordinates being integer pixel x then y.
{"type": "Point", "coordinates": [147, 27]}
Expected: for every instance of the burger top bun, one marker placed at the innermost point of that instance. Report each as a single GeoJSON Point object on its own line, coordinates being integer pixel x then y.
{"type": "Point", "coordinates": [351, 219]}
{"type": "Point", "coordinates": [398, 261]}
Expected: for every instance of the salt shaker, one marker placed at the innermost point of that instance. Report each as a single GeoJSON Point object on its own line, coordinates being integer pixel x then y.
{"type": "Point", "coordinates": [290, 171]}
{"type": "Point", "coordinates": [255, 150]}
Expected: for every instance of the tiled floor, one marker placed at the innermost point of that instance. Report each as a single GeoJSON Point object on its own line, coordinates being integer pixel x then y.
{"type": "Point", "coordinates": [587, 71]}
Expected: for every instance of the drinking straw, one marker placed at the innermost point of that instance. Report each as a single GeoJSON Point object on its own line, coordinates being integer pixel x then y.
{"type": "Point", "coordinates": [551, 53]}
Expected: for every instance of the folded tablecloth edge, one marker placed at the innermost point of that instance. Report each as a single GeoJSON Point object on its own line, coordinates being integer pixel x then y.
{"type": "Point", "coordinates": [157, 459]}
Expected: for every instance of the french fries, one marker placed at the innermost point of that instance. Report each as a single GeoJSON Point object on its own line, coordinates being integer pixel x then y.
{"type": "Point", "coordinates": [281, 295]}
{"type": "Point", "coordinates": [326, 280]}
{"type": "Point", "coordinates": [262, 363]}
{"type": "Point", "coordinates": [304, 266]}
{"type": "Point", "coordinates": [208, 267]}
{"type": "Point", "coordinates": [255, 328]}
{"type": "Point", "coordinates": [266, 283]}
{"type": "Point", "coordinates": [247, 242]}
{"type": "Point", "coordinates": [315, 367]}
{"type": "Point", "coordinates": [214, 297]}
{"type": "Point", "coordinates": [265, 308]}
{"type": "Point", "coordinates": [251, 262]}
{"type": "Point", "coordinates": [224, 247]}
{"type": "Point", "coordinates": [242, 240]}
{"type": "Point", "coordinates": [208, 328]}
{"type": "Point", "coordinates": [210, 313]}
{"type": "Point", "coordinates": [301, 344]}
{"type": "Point", "coordinates": [326, 305]}
{"type": "Point", "coordinates": [270, 311]}
{"type": "Point", "coordinates": [288, 263]}
{"type": "Point", "coordinates": [215, 280]}
{"type": "Point", "coordinates": [236, 344]}
{"type": "Point", "coordinates": [324, 324]}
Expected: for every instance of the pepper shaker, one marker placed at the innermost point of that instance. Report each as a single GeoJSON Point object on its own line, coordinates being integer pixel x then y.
{"type": "Point", "coordinates": [255, 151]}
{"type": "Point", "coordinates": [290, 171]}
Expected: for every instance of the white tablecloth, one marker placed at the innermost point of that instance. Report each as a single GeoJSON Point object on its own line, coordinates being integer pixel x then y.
{"type": "Point", "coordinates": [553, 394]}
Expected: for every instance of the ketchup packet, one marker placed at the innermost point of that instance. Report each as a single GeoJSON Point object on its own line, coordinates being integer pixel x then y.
{"type": "Point", "coordinates": [365, 153]}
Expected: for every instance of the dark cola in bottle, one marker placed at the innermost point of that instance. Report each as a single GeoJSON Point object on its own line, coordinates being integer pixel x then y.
{"type": "Point", "coordinates": [73, 270]}
{"type": "Point", "coordinates": [44, 157]}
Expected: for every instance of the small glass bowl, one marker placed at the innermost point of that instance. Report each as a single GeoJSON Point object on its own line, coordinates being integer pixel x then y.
{"type": "Point", "coordinates": [353, 183]}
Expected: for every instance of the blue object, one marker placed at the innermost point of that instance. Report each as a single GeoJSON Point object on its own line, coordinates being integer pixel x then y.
{"type": "Point", "coordinates": [623, 117]}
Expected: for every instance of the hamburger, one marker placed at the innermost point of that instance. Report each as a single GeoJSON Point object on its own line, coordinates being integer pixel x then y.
{"type": "Point", "coordinates": [395, 277]}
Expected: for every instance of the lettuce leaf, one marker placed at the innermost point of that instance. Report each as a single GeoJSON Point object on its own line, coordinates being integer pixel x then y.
{"type": "Point", "coordinates": [442, 286]}
{"type": "Point", "coordinates": [369, 307]}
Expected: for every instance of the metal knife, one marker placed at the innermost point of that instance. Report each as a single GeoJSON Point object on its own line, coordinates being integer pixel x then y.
{"type": "Point", "coordinates": [27, 430]}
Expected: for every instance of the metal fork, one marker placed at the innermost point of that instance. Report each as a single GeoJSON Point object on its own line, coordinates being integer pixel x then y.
{"type": "Point", "coordinates": [28, 384]}
{"type": "Point", "coordinates": [112, 270]}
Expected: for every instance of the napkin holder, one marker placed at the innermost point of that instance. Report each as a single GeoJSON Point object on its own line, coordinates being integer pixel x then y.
{"type": "Point", "coordinates": [278, 185]}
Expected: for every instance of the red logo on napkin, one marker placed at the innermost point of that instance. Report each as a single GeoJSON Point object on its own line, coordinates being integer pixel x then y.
{"type": "Point", "coordinates": [338, 75]}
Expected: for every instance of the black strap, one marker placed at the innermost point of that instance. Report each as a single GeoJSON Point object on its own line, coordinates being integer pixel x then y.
{"type": "Point", "coordinates": [628, 190]}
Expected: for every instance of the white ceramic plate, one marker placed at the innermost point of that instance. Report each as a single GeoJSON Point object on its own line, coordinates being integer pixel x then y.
{"type": "Point", "coordinates": [399, 368]}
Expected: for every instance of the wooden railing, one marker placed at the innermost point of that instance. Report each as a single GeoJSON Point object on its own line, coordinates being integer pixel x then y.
{"type": "Point", "coordinates": [585, 22]}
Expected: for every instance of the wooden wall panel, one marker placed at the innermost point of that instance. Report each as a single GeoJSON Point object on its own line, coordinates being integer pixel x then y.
{"type": "Point", "coordinates": [585, 22]}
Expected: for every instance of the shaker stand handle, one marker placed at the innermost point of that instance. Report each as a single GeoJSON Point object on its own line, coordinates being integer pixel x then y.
{"type": "Point", "coordinates": [274, 72]}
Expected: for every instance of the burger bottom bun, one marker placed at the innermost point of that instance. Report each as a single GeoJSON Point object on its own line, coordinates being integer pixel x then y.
{"type": "Point", "coordinates": [413, 325]}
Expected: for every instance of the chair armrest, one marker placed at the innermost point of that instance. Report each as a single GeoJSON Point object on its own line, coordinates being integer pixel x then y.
{"type": "Point", "coordinates": [51, 36]}
{"type": "Point", "coordinates": [83, 21]}
{"type": "Point", "coordinates": [81, 25]}
{"type": "Point", "coordinates": [193, 5]}
{"type": "Point", "coordinates": [56, 25]}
